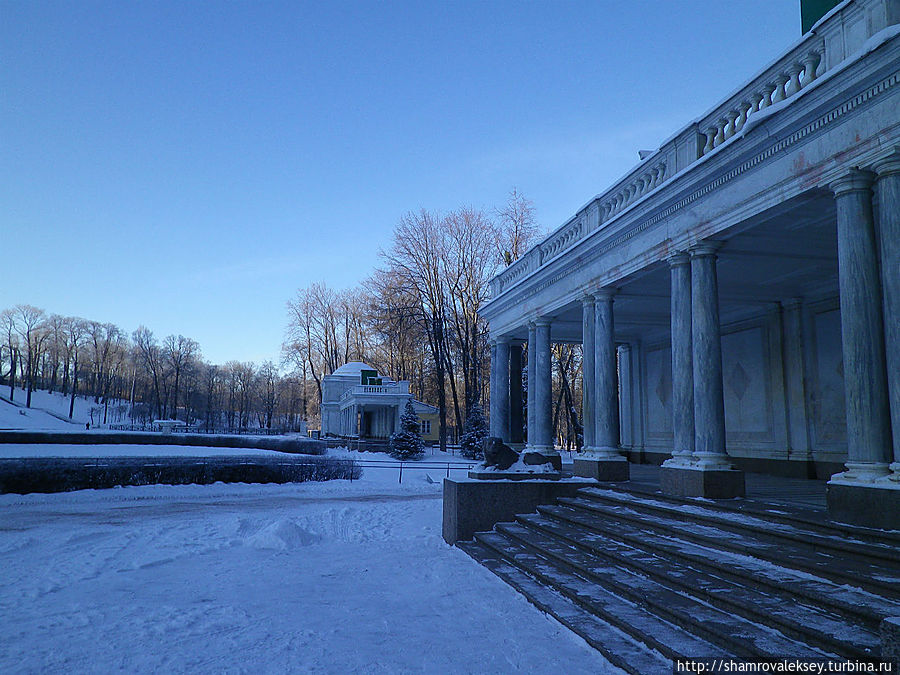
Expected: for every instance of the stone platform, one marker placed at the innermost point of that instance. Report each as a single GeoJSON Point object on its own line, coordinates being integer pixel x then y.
{"type": "Point", "coordinates": [473, 505]}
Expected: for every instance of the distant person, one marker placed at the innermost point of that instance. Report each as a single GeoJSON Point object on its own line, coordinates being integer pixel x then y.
{"type": "Point", "coordinates": [87, 425]}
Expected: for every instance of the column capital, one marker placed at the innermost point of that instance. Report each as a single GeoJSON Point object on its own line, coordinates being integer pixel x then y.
{"type": "Point", "coordinates": [678, 259]}
{"type": "Point", "coordinates": [587, 298]}
{"type": "Point", "coordinates": [542, 321]}
{"type": "Point", "coordinates": [705, 249]}
{"type": "Point", "coordinates": [792, 303]}
{"type": "Point", "coordinates": [500, 339]}
{"type": "Point", "coordinates": [855, 180]}
{"type": "Point", "coordinates": [888, 165]}
{"type": "Point", "coordinates": [605, 294]}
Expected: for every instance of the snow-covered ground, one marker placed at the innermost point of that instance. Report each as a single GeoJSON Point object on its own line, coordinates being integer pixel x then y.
{"type": "Point", "coordinates": [333, 577]}
{"type": "Point", "coordinates": [48, 411]}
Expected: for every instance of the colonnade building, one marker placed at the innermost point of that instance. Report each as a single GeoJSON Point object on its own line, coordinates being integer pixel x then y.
{"type": "Point", "coordinates": [737, 293]}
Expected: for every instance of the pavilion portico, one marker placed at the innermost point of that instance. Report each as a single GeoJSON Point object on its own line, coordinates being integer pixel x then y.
{"type": "Point", "coordinates": [737, 293]}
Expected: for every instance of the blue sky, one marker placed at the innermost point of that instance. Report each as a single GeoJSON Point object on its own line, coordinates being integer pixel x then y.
{"type": "Point", "coordinates": [189, 165]}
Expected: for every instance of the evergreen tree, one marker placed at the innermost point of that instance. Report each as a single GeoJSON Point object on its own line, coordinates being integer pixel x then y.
{"type": "Point", "coordinates": [471, 443]}
{"type": "Point", "coordinates": [406, 443]}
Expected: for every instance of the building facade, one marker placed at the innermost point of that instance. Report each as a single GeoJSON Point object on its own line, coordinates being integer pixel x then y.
{"type": "Point", "coordinates": [359, 403]}
{"type": "Point", "coordinates": [737, 293]}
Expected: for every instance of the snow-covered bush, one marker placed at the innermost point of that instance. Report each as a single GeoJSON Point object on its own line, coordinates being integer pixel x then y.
{"type": "Point", "coordinates": [475, 432]}
{"type": "Point", "coordinates": [406, 443]}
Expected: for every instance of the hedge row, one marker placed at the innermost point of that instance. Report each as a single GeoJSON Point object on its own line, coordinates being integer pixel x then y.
{"type": "Point", "coordinates": [64, 474]}
{"type": "Point", "coordinates": [291, 444]}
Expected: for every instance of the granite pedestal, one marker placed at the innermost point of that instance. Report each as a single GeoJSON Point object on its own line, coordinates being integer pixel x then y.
{"type": "Point", "coordinates": [472, 505]}
{"type": "Point", "coordinates": [864, 505]}
{"type": "Point", "coordinates": [708, 483]}
{"type": "Point", "coordinates": [601, 469]}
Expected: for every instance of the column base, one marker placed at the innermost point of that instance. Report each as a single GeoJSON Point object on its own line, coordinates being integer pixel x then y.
{"type": "Point", "coordinates": [869, 505]}
{"type": "Point", "coordinates": [680, 481]}
{"type": "Point", "coordinates": [608, 469]}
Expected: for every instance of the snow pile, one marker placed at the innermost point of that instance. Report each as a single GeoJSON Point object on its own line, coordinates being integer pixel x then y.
{"type": "Point", "coordinates": [330, 577]}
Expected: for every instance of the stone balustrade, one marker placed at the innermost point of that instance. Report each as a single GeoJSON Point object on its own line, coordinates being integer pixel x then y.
{"type": "Point", "coordinates": [785, 77]}
{"type": "Point", "coordinates": [778, 82]}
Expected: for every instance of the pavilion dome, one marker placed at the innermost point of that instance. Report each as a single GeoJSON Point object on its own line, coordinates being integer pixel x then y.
{"type": "Point", "coordinates": [353, 368]}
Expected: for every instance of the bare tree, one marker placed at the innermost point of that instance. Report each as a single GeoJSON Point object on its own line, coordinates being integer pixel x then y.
{"type": "Point", "coordinates": [416, 258]}
{"type": "Point", "coordinates": [76, 333]}
{"type": "Point", "coordinates": [516, 227]}
{"type": "Point", "coordinates": [30, 325]}
{"type": "Point", "coordinates": [178, 353]}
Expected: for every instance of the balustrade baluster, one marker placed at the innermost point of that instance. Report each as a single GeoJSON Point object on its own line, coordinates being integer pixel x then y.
{"type": "Point", "coordinates": [810, 63]}
{"type": "Point", "coordinates": [756, 102]}
{"type": "Point", "coordinates": [720, 131]}
{"type": "Point", "coordinates": [780, 81]}
{"type": "Point", "coordinates": [742, 117]}
{"type": "Point", "coordinates": [794, 77]}
{"type": "Point", "coordinates": [767, 92]}
{"type": "Point", "coordinates": [729, 128]}
{"type": "Point", "coordinates": [710, 139]}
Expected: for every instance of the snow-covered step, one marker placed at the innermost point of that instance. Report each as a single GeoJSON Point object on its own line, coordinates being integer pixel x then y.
{"type": "Point", "coordinates": [620, 649]}
{"type": "Point", "coordinates": [848, 601]}
{"type": "Point", "coordinates": [738, 635]}
{"type": "Point", "coordinates": [856, 542]}
{"type": "Point", "coordinates": [873, 576]}
{"type": "Point", "coordinates": [812, 626]}
{"type": "Point", "coordinates": [809, 520]}
{"type": "Point", "coordinates": [637, 621]}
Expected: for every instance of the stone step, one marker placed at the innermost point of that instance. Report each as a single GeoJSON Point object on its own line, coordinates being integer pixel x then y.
{"type": "Point", "coordinates": [873, 577]}
{"type": "Point", "coordinates": [732, 632]}
{"type": "Point", "coordinates": [638, 622]}
{"type": "Point", "coordinates": [857, 604]}
{"type": "Point", "coordinates": [846, 541]}
{"type": "Point", "coordinates": [812, 626]}
{"type": "Point", "coordinates": [618, 648]}
{"type": "Point", "coordinates": [809, 519]}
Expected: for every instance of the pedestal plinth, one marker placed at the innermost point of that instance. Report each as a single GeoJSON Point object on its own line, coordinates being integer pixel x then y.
{"type": "Point", "coordinates": [605, 469]}
{"type": "Point", "coordinates": [709, 483]}
{"type": "Point", "coordinates": [869, 505]}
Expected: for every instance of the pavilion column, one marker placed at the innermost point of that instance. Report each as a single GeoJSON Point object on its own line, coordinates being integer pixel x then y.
{"type": "Point", "coordinates": [542, 441]}
{"type": "Point", "coordinates": [862, 332]}
{"type": "Point", "coordinates": [710, 474]}
{"type": "Point", "coordinates": [626, 397]}
{"type": "Point", "coordinates": [864, 494]}
{"type": "Point", "coordinates": [500, 402]}
{"type": "Point", "coordinates": [493, 412]}
{"type": "Point", "coordinates": [888, 190]}
{"type": "Point", "coordinates": [603, 460]}
{"type": "Point", "coordinates": [588, 378]}
{"type": "Point", "coordinates": [532, 378]}
{"type": "Point", "coordinates": [706, 344]}
{"type": "Point", "coordinates": [682, 362]}
{"type": "Point", "coordinates": [515, 394]}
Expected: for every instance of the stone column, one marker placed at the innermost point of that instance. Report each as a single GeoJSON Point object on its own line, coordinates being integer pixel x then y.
{"type": "Point", "coordinates": [603, 460]}
{"type": "Point", "coordinates": [542, 441]}
{"type": "Point", "coordinates": [855, 495]}
{"type": "Point", "coordinates": [888, 189]}
{"type": "Point", "coordinates": [503, 384]}
{"type": "Point", "coordinates": [494, 403]}
{"type": "Point", "coordinates": [515, 394]}
{"type": "Point", "coordinates": [710, 474]}
{"type": "Point", "coordinates": [588, 379]}
{"type": "Point", "coordinates": [606, 434]}
{"type": "Point", "coordinates": [532, 350]}
{"type": "Point", "coordinates": [706, 344]}
{"type": "Point", "coordinates": [794, 345]}
{"type": "Point", "coordinates": [862, 332]}
{"type": "Point", "coordinates": [682, 362]}
{"type": "Point", "coordinates": [626, 398]}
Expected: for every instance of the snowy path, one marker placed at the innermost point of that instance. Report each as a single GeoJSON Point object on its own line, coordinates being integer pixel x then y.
{"type": "Point", "coordinates": [329, 578]}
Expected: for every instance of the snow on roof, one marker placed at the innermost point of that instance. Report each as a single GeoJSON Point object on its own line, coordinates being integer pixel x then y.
{"type": "Point", "coordinates": [353, 368]}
